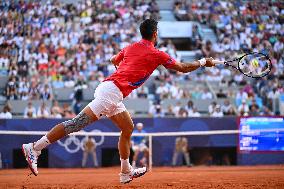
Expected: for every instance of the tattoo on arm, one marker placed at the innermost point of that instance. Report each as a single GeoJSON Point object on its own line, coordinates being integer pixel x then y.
{"type": "Point", "coordinates": [77, 123]}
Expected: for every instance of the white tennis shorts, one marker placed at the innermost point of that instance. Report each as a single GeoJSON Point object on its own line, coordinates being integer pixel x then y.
{"type": "Point", "coordinates": [139, 147]}
{"type": "Point", "coordinates": [108, 100]}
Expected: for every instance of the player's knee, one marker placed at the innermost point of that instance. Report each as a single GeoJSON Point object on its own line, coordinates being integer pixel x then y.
{"type": "Point", "coordinates": [77, 123]}
{"type": "Point", "coordinates": [127, 130]}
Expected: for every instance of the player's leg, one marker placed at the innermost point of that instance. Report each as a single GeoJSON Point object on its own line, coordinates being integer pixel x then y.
{"type": "Point", "coordinates": [33, 150]}
{"type": "Point", "coordinates": [186, 157]}
{"type": "Point", "coordinates": [95, 158]}
{"type": "Point", "coordinates": [125, 123]}
{"type": "Point", "coordinates": [85, 158]}
{"type": "Point", "coordinates": [135, 156]}
{"type": "Point", "coordinates": [175, 156]}
{"type": "Point", "coordinates": [107, 95]}
{"type": "Point", "coordinates": [84, 118]}
{"type": "Point", "coordinates": [145, 156]}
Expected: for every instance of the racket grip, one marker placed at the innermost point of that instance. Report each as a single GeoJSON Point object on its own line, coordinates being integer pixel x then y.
{"type": "Point", "coordinates": [218, 62]}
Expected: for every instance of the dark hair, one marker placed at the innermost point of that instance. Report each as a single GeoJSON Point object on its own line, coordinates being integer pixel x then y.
{"type": "Point", "coordinates": [147, 28]}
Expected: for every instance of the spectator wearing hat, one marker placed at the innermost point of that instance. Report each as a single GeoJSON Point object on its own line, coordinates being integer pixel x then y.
{"type": "Point", "coordinates": [217, 112]}
{"type": "Point", "coordinates": [139, 145]}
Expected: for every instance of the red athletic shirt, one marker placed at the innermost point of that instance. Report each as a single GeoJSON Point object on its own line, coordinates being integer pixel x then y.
{"type": "Point", "coordinates": [137, 62]}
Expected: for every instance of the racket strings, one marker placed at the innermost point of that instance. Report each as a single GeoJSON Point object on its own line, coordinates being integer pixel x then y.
{"type": "Point", "coordinates": [255, 65]}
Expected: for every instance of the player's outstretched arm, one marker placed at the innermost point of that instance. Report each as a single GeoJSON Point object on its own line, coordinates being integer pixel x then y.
{"type": "Point", "coordinates": [188, 67]}
{"type": "Point", "coordinates": [116, 59]}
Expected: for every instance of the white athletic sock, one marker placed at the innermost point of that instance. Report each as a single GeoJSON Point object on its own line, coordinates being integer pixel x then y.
{"type": "Point", "coordinates": [134, 164]}
{"type": "Point", "coordinates": [125, 165]}
{"type": "Point", "coordinates": [41, 143]}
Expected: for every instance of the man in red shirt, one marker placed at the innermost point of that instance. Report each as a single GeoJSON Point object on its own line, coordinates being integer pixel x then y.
{"type": "Point", "coordinates": [135, 63]}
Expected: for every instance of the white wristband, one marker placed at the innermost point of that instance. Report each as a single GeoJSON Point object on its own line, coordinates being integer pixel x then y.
{"type": "Point", "coordinates": [202, 61]}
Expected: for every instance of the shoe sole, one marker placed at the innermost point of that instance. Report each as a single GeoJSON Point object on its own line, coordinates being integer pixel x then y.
{"type": "Point", "coordinates": [27, 159]}
{"type": "Point", "coordinates": [140, 175]}
{"type": "Point", "coordinates": [131, 179]}
{"type": "Point", "coordinates": [126, 182]}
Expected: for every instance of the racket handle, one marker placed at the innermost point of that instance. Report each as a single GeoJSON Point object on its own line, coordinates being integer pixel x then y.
{"type": "Point", "coordinates": [218, 62]}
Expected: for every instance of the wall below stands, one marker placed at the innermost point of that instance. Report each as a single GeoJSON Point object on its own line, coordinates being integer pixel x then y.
{"type": "Point", "coordinates": [162, 146]}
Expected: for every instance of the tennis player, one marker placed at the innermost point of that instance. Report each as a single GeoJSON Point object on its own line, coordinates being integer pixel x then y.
{"type": "Point", "coordinates": [135, 63]}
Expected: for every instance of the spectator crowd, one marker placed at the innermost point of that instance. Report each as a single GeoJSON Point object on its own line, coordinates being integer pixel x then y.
{"type": "Point", "coordinates": [46, 45]}
{"type": "Point", "coordinates": [240, 27]}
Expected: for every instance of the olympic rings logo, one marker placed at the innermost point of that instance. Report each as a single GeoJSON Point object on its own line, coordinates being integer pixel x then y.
{"type": "Point", "coordinates": [77, 144]}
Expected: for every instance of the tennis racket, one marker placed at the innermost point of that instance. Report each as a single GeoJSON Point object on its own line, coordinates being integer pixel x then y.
{"type": "Point", "coordinates": [255, 65]}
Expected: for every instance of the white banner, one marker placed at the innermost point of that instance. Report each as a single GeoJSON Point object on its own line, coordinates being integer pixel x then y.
{"type": "Point", "coordinates": [169, 29]}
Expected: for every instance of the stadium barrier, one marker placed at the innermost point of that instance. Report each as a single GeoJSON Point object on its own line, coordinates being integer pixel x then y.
{"type": "Point", "coordinates": [201, 132]}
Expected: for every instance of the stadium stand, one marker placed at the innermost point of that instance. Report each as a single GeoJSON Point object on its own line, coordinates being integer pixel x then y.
{"type": "Point", "coordinates": [56, 50]}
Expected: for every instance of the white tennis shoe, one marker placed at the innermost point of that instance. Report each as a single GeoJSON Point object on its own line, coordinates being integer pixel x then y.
{"type": "Point", "coordinates": [31, 156]}
{"type": "Point", "coordinates": [134, 173]}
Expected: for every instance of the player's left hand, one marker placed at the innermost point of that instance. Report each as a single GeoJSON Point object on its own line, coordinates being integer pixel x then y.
{"type": "Point", "coordinates": [209, 62]}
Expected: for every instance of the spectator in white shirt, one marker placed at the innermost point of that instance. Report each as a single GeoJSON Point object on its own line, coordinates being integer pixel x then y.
{"type": "Point", "coordinates": [278, 46]}
{"type": "Point", "coordinates": [226, 107]}
{"type": "Point", "coordinates": [189, 107]}
{"type": "Point", "coordinates": [55, 114]}
{"type": "Point", "coordinates": [241, 95]}
{"type": "Point", "coordinates": [24, 96]}
{"type": "Point", "coordinates": [23, 55]}
{"type": "Point", "coordinates": [30, 111]}
{"type": "Point", "coordinates": [206, 94]}
{"type": "Point", "coordinates": [243, 109]}
{"type": "Point", "coordinates": [212, 107]}
{"type": "Point", "coordinates": [43, 61]}
{"type": "Point", "coordinates": [6, 114]}
{"type": "Point", "coordinates": [177, 108]}
{"type": "Point", "coordinates": [238, 78]}
{"type": "Point", "coordinates": [217, 112]}
{"type": "Point", "coordinates": [180, 93]}
{"type": "Point", "coordinates": [273, 94]}
{"type": "Point", "coordinates": [43, 111]}
{"type": "Point", "coordinates": [162, 90]}
{"type": "Point", "coordinates": [194, 113]}
{"type": "Point", "coordinates": [174, 90]}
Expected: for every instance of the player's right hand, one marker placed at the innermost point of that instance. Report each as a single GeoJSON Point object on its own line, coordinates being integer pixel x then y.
{"type": "Point", "coordinates": [209, 62]}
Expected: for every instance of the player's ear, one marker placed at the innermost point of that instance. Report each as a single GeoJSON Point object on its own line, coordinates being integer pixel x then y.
{"type": "Point", "coordinates": [155, 34]}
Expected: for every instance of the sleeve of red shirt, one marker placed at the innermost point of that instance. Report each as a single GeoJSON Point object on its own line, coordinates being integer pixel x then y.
{"type": "Point", "coordinates": [119, 56]}
{"type": "Point", "coordinates": [166, 60]}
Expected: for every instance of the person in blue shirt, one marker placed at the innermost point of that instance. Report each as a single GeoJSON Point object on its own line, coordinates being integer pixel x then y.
{"type": "Point", "coordinates": [139, 145]}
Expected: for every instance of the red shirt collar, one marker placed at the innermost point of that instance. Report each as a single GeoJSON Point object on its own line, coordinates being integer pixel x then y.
{"type": "Point", "coordinates": [147, 42]}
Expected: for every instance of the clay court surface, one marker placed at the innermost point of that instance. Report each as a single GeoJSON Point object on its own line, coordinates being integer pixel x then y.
{"type": "Point", "coordinates": [165, 177]}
